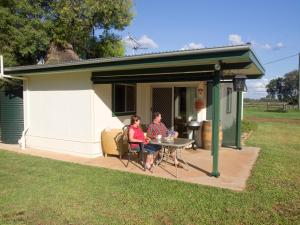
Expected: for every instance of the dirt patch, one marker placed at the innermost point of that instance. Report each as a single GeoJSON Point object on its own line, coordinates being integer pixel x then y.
{"type": "Point", "coordinates": [276, 120]}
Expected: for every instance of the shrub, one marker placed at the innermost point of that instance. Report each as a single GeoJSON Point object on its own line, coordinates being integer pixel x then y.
{"type": "Point", "coordinates": [248, 126]}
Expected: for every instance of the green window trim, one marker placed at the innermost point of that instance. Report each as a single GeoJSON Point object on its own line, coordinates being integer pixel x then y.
{"type": "Point", "coordinates": [124, 112]}
{"type": "Point", "coordinates": [228, 100]}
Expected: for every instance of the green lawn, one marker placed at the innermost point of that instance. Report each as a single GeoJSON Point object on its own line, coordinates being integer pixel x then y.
{"type": "Point", "coordinates": [260, 112]}
{"type": "Point", "coordinates": [41, 191]}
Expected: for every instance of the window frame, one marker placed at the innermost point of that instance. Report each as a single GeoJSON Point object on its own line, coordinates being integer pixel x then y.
{"type": "Point", "coordinates": [125, 113]}
{"type": "Point", "coordinates": [229, 100]}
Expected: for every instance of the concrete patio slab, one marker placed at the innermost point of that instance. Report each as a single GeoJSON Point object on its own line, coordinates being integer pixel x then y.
{"type": "Point", "coordinates": [234, 165]}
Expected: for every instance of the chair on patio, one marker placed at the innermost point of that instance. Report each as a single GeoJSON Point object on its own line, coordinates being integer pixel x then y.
{"type": "Point", "coordinates": [131, 151]}
{"type": "Point", "coordinates": [112, 142]}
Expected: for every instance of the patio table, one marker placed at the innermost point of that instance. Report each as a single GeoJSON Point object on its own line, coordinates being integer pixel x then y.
{"type": "Point", "coordinates": [177, 143]}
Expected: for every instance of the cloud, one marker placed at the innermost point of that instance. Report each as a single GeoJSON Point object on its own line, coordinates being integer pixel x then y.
{"type": "Point", "coordinates": [147, 42]}
{"type": "Point", "coordinates": [192, 45]}
{"type": "Point", "coordinates": [144, 41]}
{"type": "Point", "coordinates": [235, 39]}
{"type": "Point", "coordinates": [279, 45]}
{"type": "Point", "coordinates": [257, 88]}
{"type": "Point", "coordinates": [267, 46]}
{"type": "Point", "coordinates": [128, 43]}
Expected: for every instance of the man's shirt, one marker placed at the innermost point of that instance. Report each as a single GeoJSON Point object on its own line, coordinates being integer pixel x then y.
{"type": "Point", "coordinates": [155, 129]}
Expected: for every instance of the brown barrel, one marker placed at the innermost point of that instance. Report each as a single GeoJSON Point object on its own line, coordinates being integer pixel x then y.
{"type": "Point", "coordinates": [207, 134]}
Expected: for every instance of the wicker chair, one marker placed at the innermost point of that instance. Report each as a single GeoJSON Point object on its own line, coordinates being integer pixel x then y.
{"type": "Point", "coordinates": [131, 151]}
{"type": "Point", "coordinates": [113, 142]}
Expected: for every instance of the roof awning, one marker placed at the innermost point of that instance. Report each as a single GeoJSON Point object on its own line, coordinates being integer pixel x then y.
{"type": "Point", "coordinates": [187, 65]}
{"type": "Point", "coordinates": [191, 65]}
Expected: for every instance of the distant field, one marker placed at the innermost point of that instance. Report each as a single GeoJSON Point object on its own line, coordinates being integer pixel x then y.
{"type": "Point", "coordinates": [260, 112]}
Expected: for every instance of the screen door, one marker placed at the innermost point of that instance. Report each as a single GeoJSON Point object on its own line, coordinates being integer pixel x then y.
{"type": "Point", "coordinates": [162, 102]}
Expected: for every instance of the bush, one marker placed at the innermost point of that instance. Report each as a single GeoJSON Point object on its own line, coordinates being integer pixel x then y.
{"type": "Point", "coordinates": [248, 126]}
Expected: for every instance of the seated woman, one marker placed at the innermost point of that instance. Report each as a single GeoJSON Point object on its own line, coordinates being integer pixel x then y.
{"type": "Point", "coordinates": [136, 135]}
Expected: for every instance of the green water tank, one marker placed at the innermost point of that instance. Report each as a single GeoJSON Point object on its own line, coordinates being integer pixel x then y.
{"type": "Point", "coordinates": [11, 114]}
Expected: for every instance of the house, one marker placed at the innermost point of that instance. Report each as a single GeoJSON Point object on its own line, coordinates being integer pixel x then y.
{"type": "Point", "coordinates": [68, 105]}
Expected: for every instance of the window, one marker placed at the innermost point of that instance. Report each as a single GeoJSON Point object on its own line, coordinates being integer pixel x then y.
{"type": "Point", "coordinates": [228, 100]}
{"type": "Point", "coordinates": [123, 99]}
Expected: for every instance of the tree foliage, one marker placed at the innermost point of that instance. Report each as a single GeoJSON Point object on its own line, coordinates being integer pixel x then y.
{"type": "Point", "coordinates": [284, 88]}
{"type": "Point", "coordinates": [23, 35]}
{"type": "Point", "coordinates": [107, 45]}
{"type": "Point", "coordinates": [27, 27]}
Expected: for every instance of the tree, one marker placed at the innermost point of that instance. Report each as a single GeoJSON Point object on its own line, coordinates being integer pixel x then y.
{"type": "Point", "coordinates": [290, 87]}
{"type": "Point", "coordinates": [272, 89]}
{"type": "Point", "coordinates": [79, 22]}
{"type": "Point", "coordinates": [107, 45]}
{"type": "Point", "coordinates": [28, 28]}
{"type": "Point", "coordinates": [284, 88]}
{"type": "Point", "coordinates": [23, 34]}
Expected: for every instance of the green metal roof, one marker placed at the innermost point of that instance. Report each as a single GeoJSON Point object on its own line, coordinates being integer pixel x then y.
{"type": "Point", "coordinates": [185, 64]}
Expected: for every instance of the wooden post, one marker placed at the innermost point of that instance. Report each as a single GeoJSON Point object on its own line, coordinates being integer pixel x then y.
{"type": "Point", "coordinates": [216, 122]}
{"type": "Point", "coordinates": [238, 131]}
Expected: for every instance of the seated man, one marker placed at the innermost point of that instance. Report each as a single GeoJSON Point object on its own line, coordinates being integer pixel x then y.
{"type": "Point", "coordinates": [158, 128]}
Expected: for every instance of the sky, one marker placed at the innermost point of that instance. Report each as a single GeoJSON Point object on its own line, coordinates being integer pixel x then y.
{"type": "Point", "coordinates": [273, 28]}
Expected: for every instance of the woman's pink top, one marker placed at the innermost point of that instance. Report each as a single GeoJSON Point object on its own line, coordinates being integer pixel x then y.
{"type": "Point", "coordinates": [137, 134]}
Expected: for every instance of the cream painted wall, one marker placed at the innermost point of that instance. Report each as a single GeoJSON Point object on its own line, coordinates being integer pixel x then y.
{"type": "Point", "coordinates": [103, 119]}
{"type": "Point", "coordinates": [202, 113]}
{"type": "Point", "coordinates": [59, 113]}
{"type": "Point", "coordinates": [67, 113]}
{"type": "Point", "coordinates": [144, 102]}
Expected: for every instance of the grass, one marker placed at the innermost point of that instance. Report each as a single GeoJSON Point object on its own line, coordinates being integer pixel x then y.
{"type": "Point", "coordinates": [41, 191]}
{"type": "Point", "coordinates": [259, 112]}
{"type": "Point", "coordinates": [248, 126]}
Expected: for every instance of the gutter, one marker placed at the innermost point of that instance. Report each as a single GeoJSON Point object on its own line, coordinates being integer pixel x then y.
{"type": "Point", "coordinates": [2, 76]}
{"type": "Point", "coordinates": [6, 78]}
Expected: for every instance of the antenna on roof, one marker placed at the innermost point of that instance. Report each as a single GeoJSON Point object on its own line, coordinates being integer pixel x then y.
{"type": "Point", "coordinates": [136, 45]}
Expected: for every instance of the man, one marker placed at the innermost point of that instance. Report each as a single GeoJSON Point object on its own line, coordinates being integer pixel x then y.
{"type": "Point", "coordinates": [158, 128]}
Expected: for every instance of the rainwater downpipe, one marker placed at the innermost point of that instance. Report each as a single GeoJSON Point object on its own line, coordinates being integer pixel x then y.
{"type": "Point", "coordinates": [6, 78]}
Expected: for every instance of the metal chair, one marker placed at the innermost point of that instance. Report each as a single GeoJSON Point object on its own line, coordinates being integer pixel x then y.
{"type": "Point", "coordinates": [131, 151]}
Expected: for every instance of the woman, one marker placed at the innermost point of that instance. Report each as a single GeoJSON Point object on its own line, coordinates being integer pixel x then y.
{"type": "Point", "coordinates": [136, 135]}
